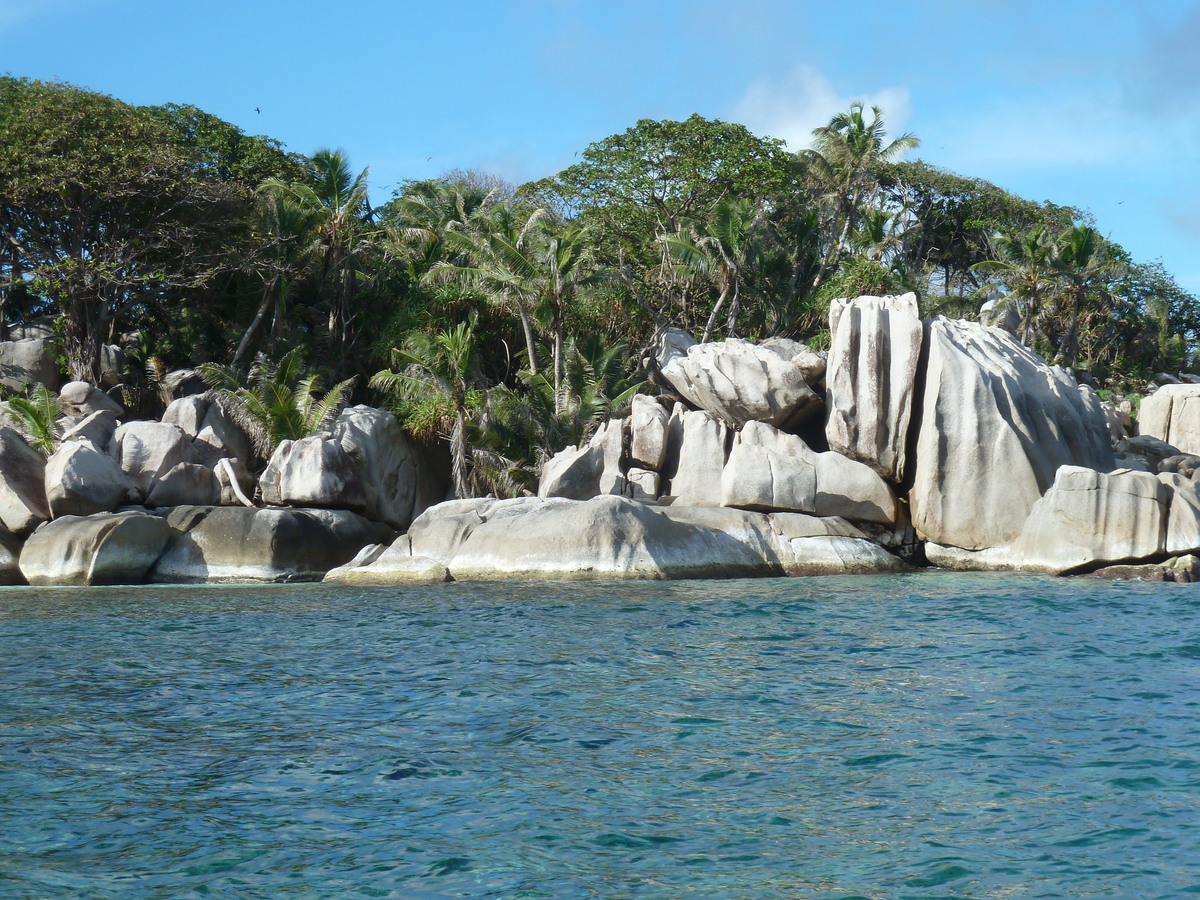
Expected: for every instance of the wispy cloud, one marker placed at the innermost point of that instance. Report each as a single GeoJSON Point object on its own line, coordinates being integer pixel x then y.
{"type": "Point", "coordinates": [805, 99]}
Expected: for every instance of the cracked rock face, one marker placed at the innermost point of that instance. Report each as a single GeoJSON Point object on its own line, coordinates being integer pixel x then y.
{"type": "Point", "coordinates": [994, 426]}
{"type": "Point", "coordinates": [738, 382]}
{"type": "Point", "coordinates": [874, 352]}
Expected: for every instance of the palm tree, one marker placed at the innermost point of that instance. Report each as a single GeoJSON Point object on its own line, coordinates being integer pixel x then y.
{"type": "Point", "coordinates": [442, 366]}
{"type": "Point", "coordinates": [1086, 269]}
{"type": "Point", "coordinates": [843, 167]}
{"type": "Point", "coordinates": [37, 418]}
{"type": "Point", "coordinates": [341, 237]}
{"type": "Point", "coordinates": [1023, 262]}
{"type": "Point", "coordinates": [495, 256]}
{"type": "Point", "coordinates": [723, 249]}
{"type": "Point", "coordinates": [276, 401]}
{"type": "Point", "coordinates": [288, 226]}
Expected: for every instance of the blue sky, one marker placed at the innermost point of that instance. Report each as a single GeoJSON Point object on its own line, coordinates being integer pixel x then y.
{"type": "Point", "coordinates": [1092, 104]}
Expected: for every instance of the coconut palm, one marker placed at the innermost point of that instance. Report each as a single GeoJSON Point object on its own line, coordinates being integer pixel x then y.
{"type": "Point", "coordinates": [1023, 263]}
{"type": "Point", "coordinates": [721, 249]}
{"type": "Point", "coordinates": [288, 226]}
{"type": "Point", "coordinates": [444, 366]}
{"type": "Point", "coordinates": [342, 235]}
{"type": "Point", "coordinates": [1086, 269]}
{"type": "Point", "coordinates": [275, 402]}
{"type": "Point", "coordinates": [843, 168]}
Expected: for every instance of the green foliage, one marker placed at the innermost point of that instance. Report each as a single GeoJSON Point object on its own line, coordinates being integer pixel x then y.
{"type": "Point", "coordinates": [104, 213]}
{"type": "Point", "coordinates": [37, 418]}
{"type": "Point", "coordinates": [276, 402]}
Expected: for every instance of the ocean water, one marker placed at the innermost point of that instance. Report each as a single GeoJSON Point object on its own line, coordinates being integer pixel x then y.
{"type": "Point", "coordinates": [919, 736]}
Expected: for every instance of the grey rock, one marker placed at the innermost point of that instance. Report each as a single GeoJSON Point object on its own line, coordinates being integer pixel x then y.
{"type": "Point", "coordinates": [97, 429]}
{"type": "Point", "coordinates": [1172, 414]}
{"type": "Point", "coordinates": [1154, 451]}
{"type": "Point", "coordinates": [107, 548]}
{"type": "Point", "coordinates": [738, 382]}
{"type": "Point", "coordinates": [392, 565]}
{"type": "Point", "coordinates": [772, 470]}
{"type": "Point", "coordinates": [609, 439]}
{"type": "Point", "coordinates": [385, 462]}
{"type": "Point", "coordinates": [81, 480]}
{"type": "Point", "coordinates": [648, 432]}
{"type": "Point", "coordinates": [996, 423]}
{"type": "Point", "coordinates": [573, 473]}
{"type": "Point", "coordinates": [1087, 519]}
{"type": "Point", "coordinates": [1183, 517]}
{"type": "Point", "coordinates": [642, 484]}
{"type": "Point", "coordinates": [78, 398]}
{"type": "Point", "coordinates": [313, 472]}
{"type": "Point", "coordinates": [29, 362]}
{"type": "Point", "coordinates": [697, 456]}
{"type": "Point", "coordinates": [873, 358]}
{"type": "Point", "coordinates": [1184, 464]}
{"type": "Point", "coordinates": [146, 451]}
{"type": "Point", "coordinates": [188, 413]}
{"type": "Point", "coordinates": [183, 383]}
{"type": "Point", "coordinates": [235, 482]}
{"type": "Point", "coordinates": [221, 544]}
{"type": "Point", "coordinates": [187, 484]}
{"type": "Point", "coordinates": [22, 484]}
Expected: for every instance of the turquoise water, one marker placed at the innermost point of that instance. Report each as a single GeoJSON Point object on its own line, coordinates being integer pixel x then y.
{"type": "Point", "coordinates": [904, 737]}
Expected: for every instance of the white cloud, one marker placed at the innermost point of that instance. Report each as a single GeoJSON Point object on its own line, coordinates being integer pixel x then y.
{"type": "Point", "coordinates": [805, 99]}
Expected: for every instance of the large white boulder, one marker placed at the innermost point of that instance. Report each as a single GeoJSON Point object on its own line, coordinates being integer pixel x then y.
{"type": "Point", "coordinates": [996, 423]}
{"type": "Point", "coordinates": [78, 398]}
{"type": "Point", "coordinates": [738, 382]}
{"type": "Point", "coordinates": [22, 484]}
{"type": "Point", "coordinates": [187, 484]}
{"type": "Point", "coordinates": [875, 348]}
{"type": "Point", "coordinates": [107, 548]}
{"type": "Point", "coordinates": [573, 473]}
{"type": "Point", "coordinates": [1172, 414]}
{"type": "Point", "coordinates": [1183, 518]}
{"type": "Point", "coordinates": [29, 362]}
{"type": "Point", "coordinates": [695, 456]}
{"type": "Point", "coordinates": [769, 469]}
{"type": "Point", "coordinates": [313, 471]}
{"type": "Point", "coordinates": [648, 432]}
{"type": "Point", "coordinates": [146, 451]}
{"type": "Point", "coordinates": [81, 480]}
{"type": "Point", "coordinates": [387, 466]}
{"type": "Point", "coordinates": [615, 537]}
{"type": "Point", "coordinates": [1087, 519]}
{"type": "Point", "coordinates": [236, 544]}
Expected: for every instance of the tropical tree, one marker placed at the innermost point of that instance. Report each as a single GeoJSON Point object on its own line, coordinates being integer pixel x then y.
{"type": "Point", "coordinates": [721, 249]}
{"type": "Point", "coordinates": [1086, 267]}
{"type": "Point", "coordinates": [442, 366]}
{"type": "Point", "coordinates": [843, 169]}
{"type": "Point", "coordinates": [286, 253]}
{"type": "Point", "coordinates": [276, 402]}
{"type": "Point", "coordinates": [342, 237]}
{"type": "Point", "coordinates": [106, 215]}
{"type": "Point", "coordinates": [1024, 263]}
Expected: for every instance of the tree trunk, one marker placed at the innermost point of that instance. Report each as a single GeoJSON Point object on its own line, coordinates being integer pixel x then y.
{"type": "Point", "coordinates": [255, 328]}
{"type": "Point", "coordinates": [712, 318]}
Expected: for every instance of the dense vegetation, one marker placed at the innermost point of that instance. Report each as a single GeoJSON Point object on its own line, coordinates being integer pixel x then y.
{"type": "Point", "coordinates": [510, 320]}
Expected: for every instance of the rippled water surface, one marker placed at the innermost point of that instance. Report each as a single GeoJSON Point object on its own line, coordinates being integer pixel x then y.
{"type": "Point", "coordinates": [920, 736]}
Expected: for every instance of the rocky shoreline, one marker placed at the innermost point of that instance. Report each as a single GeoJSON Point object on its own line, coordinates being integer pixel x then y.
{"type": "Point", "coordinates": [909, 443]}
